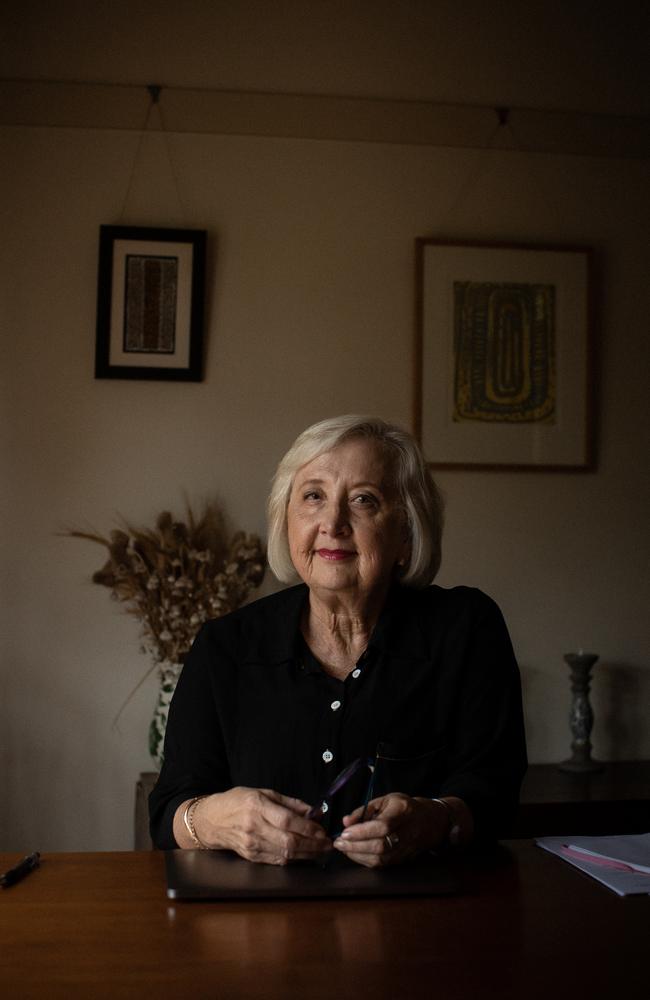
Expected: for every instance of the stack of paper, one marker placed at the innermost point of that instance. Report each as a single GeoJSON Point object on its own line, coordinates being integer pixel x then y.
{"type": "Point", "coordinates": [621, 863]}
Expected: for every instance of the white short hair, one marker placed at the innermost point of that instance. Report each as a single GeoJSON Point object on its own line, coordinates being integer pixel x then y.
{"type": "Point", "coordinates": [418, 493]}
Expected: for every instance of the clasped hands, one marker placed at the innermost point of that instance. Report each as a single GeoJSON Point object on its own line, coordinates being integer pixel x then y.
{"type": "Point", "coordinates": [263, 825]}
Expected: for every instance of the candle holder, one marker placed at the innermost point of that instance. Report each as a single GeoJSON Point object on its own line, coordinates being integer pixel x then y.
{"type": "Point", "coordinates": [581, 716]}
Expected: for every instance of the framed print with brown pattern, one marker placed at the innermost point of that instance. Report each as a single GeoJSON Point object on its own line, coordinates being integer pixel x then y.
{"type": "Point", "coordinates": [150, 303]}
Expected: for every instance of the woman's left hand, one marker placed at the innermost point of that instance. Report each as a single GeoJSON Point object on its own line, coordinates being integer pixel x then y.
{"type": "Point", "coordinates": [395, 827]}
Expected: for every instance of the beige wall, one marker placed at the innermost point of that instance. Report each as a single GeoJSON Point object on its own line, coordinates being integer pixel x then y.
{"type": "Point", "coordinates": [310, 302]}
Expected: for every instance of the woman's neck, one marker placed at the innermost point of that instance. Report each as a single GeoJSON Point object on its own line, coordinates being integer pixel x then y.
{"type": "Point", "coordinates": [338, 632]}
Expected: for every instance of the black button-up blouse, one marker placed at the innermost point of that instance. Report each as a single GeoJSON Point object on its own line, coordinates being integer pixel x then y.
{"type": "Point", "coordinates": [434, 702]}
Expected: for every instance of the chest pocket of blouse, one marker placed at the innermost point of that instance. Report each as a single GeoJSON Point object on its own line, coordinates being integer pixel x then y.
{"type": "Point", "coordinates": [409, 769]}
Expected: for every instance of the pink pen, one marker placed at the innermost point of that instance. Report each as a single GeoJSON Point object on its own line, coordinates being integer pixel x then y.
{"type": "Point", "coordinates": [620, 866]}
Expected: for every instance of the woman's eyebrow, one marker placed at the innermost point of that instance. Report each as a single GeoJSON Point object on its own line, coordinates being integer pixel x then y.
{"type": "Point", "coordinates": [363, 485]}
{"type": "Point", "coordinates": [309, 482]}
{"type": "Point", "coordinates": [368, 486]}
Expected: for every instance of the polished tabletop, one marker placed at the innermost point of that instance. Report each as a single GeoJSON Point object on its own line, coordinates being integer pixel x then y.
{"type": "Point", "coordinates": [525, 925]}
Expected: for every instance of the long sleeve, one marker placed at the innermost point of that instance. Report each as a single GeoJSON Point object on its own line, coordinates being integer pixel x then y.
{"type": "Point", "coordinates": [487, 746]}
{"type": "Point", "coordinates": [195, 760]}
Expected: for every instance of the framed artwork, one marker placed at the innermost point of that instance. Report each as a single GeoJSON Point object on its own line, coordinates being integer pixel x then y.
{"type": "Point", "coordinates": [504, 356]}
{"type": "Point", "coordinates": [150, 303]}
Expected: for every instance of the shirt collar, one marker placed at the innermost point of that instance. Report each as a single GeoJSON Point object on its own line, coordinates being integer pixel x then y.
{"type": "Point", "coordinates": [271, 635]}
{"type": "Point", "coordinates": [398, 631]}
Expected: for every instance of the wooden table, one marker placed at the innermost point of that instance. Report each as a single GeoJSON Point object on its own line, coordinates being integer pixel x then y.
{"type": "Point", "coordinates": [526, 926]}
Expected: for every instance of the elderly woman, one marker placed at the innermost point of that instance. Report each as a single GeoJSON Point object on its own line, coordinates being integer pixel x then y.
{"type": "Point", "coordinates": [365, 666]}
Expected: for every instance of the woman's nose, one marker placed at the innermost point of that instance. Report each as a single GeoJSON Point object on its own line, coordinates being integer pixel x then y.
{"type": "Point", "coordinates": [335, 519]}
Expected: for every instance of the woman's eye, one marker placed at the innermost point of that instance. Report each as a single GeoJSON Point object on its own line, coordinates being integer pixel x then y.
{"type": "Point", "coordinates": [311, 495]}
{"type": "Point", "coordinates": [365, 500]}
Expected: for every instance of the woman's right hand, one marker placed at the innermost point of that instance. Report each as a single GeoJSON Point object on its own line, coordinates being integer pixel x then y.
{"type": "Point", "coordinates": [256, 823]}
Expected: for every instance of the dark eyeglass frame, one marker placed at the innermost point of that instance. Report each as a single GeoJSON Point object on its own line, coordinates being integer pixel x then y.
{"type": "Point", "coordinates": [340, 781]}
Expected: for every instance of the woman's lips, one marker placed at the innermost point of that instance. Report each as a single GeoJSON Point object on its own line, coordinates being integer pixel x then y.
{"type": "Point", "coordinates": [335, 555]}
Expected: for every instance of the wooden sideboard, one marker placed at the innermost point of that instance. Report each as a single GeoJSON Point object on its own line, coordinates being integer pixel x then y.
{"type": "Point", "coordinates": [143, 786]}
{"type": "Point", "coordinates": [614, 800]}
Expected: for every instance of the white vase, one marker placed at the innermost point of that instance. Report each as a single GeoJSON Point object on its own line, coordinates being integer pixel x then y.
{"type": "Point", "coordinates": [168, 674]}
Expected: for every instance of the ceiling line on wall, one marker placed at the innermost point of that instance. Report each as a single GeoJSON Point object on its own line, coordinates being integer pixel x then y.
{"type": "Point", "coordinates": [41, 103]}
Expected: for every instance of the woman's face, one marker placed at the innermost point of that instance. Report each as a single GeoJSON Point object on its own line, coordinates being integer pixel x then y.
{"type": "Point", "coordinates": [346, 528]}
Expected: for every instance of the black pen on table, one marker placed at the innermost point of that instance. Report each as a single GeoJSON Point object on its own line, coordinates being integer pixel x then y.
{"type": "Point", "coordinates": [20, 870]}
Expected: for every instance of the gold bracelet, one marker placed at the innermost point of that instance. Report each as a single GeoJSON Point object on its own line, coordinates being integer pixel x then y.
{"type": "Point", "coordinates": [188, 820]}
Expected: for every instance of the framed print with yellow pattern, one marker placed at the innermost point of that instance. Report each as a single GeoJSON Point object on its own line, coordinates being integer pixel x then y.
{"type": "Point", "coordinates": [504, 357]}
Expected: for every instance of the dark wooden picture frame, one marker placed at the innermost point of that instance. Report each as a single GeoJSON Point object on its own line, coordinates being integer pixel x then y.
{"type": "Point", "coordinates": [150, 303]}
{"type": "Point", "coordinates": [504, 356]}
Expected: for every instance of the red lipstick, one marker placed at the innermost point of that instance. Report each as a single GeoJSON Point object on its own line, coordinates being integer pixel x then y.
{"type": "Point", "coordinates": [334, 555]}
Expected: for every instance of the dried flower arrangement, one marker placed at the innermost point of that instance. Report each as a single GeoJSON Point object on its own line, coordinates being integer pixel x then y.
{"type": "Point", "coordinates": [173, 578]}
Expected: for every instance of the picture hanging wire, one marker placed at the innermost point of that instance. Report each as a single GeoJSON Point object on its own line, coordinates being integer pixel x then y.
{"type": "Point", "coordinates": [154, 90]}
{"type": "Point", "coordinates": [476, 171]}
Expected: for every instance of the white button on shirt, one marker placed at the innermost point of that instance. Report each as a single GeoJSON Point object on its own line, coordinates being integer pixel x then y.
{"type": "Point", "coordinates": [328, 756]}
{"type": "Point", "coordinates": [355, 673]}
{"type": "Point", "coordinates": [335, 706]}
